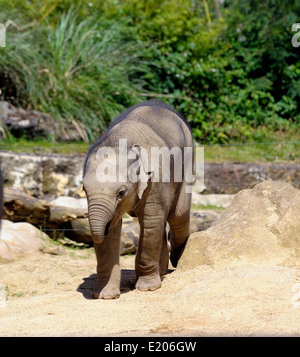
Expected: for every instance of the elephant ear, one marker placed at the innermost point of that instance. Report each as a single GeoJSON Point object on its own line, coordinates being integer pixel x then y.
{"type": "Point", "coordinates": [144, 176]}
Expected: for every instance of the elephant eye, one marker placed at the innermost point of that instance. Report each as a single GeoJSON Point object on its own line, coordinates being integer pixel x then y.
{"type": "Point", "coordinates": [121, 194]}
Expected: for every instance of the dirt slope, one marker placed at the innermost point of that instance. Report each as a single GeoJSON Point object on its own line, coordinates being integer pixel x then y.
{"type": "Point", "coordinates": [49, 295]}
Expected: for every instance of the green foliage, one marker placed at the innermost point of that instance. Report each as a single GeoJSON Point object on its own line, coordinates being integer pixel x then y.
{"type": "Point", "coordinates": [81, 69]}
{"type": "Point", "coordinates": [231, 70]}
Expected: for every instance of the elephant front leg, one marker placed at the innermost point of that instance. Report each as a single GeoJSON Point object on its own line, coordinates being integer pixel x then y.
{"type": "Point", "coordinates": [149, 260]}
{"type": "Point", "coordinates": [108, 267]}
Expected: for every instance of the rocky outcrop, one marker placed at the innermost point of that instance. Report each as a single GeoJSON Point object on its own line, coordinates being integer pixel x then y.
{"type": "Point", "coordinates": [32, 123]}
{"type": "Point", "coordinates": [230, 178]}
{"type": "Point", "coordinates": [43, 175]}
{"type": "Point", "coordinates": [54, 175]}
{"type": "Point", "coordinates": [261, 227]}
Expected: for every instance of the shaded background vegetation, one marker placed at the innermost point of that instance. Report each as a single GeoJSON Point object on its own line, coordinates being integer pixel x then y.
{"type": "Point", "coordinates": [228, 66]}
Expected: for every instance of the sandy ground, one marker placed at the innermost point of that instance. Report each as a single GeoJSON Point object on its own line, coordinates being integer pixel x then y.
{"type": "Point", "coordinates": [50, 295]}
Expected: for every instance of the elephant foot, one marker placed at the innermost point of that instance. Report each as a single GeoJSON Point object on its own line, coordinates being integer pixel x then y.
{"type": "Point", "coordinates": [106, 292]}
{"type": "Point", "coordinates": [148, 282]}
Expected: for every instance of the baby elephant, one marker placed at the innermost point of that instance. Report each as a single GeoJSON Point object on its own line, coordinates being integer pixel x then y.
{"type": "Point", "coordinates": [143, 165]}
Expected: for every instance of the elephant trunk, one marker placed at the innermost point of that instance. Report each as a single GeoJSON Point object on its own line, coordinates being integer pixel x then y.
{"type": "Point", "coordinates": [100, 213]}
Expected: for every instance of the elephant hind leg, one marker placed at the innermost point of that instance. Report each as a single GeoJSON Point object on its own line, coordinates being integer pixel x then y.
{"type": "Point", "coordinates": [179, 221]}
{"type": "Point", "coordinates": [178, 237]}
{"type": "Point", "coordinates": [164, 256]}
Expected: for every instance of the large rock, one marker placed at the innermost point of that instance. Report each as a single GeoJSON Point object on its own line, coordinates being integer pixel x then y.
{"type": "Point", "coordinates": [17, 239]}
{"type": "Point", "coordinates": [33, 123]}
{"type": "Point", "coordinates": [260, 227]}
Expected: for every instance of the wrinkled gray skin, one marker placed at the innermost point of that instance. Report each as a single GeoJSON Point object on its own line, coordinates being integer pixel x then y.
{"type": "Point", "coordinates": [150, 124]}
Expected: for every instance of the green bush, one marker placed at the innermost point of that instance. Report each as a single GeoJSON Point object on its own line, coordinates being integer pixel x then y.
{"type": "Point", "coordinates": [231, 70]}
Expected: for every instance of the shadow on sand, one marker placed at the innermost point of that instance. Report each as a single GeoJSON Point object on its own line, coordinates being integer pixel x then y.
{"type": "Point", "coordinates": [128, 280]}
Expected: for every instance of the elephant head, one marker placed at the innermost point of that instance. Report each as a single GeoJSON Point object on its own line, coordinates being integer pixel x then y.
{"type": "Point", "coordinates": [109, 192]}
